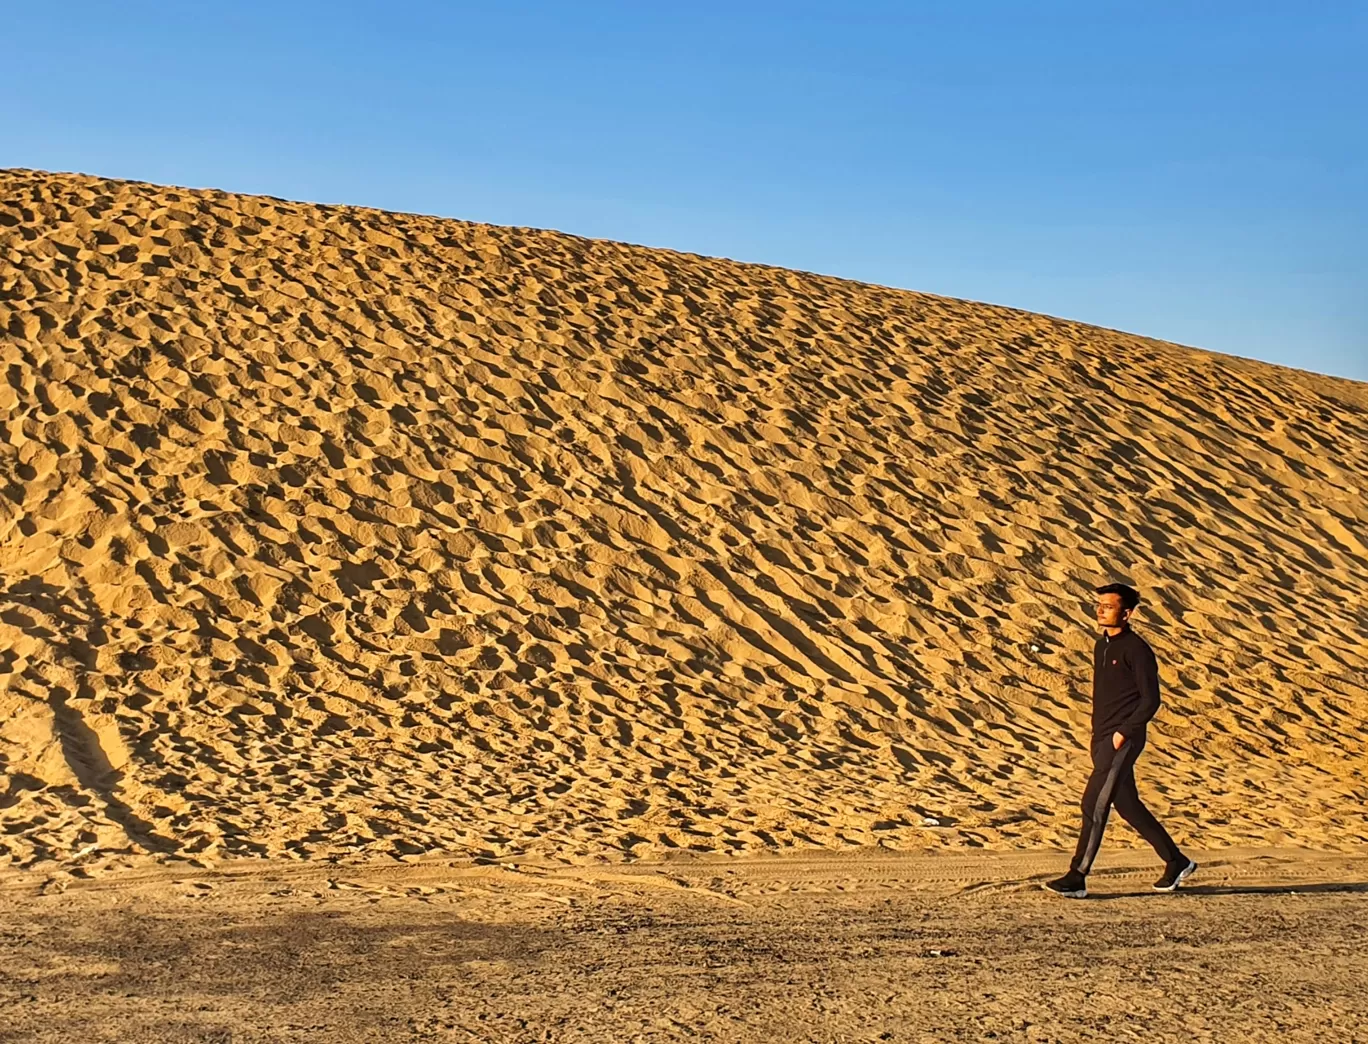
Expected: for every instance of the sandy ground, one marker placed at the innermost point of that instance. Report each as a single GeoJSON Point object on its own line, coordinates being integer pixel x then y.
{"type": "Point", "coordinates": [1262, 946]}
{"type": "Point", "coordinates": [326, 531]}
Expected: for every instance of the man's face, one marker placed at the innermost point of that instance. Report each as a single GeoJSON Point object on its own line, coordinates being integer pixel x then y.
{"type": "Point", "coordinates": [1109, 611]}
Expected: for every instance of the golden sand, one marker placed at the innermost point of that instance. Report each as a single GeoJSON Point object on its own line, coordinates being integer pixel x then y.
{"type": "Point", "coordinates": [854, 946]}
{"type": "Point", "coordinates": [327, 530]}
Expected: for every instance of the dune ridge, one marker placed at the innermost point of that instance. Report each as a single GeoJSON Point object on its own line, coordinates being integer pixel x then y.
{"type": "Point", "coordinates": [329, 531]}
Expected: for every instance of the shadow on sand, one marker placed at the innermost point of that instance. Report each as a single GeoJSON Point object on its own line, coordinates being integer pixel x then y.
{"type": "Point", "coordinates": [1284, 889]}
{"type": "Point", "coordinates": [84, 630]}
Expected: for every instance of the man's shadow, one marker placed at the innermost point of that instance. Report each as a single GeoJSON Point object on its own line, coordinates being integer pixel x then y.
{"type": "Point", "coordinates": [1325, 888]}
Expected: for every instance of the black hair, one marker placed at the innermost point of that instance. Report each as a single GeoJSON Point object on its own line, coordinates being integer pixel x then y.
{"type": "Point", "coordinates": [1130, 597]}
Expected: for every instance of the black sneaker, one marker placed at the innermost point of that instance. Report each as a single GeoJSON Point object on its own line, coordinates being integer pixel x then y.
{"type": "Point", "coordinates": [1174, 875]}
{"type": "Point", "coordinates": [1072, 885]}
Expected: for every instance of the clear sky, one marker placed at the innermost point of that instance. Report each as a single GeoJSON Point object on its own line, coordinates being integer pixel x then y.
{"type": "Point", "coordinates": [1191, 171]}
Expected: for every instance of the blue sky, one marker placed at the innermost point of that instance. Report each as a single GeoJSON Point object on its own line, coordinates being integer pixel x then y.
{"type": "Point", "coordinates": [1196, 172]}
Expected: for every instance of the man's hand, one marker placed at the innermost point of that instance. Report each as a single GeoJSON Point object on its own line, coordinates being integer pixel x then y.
{"type": "Point", "coordinates": [1117, 740]}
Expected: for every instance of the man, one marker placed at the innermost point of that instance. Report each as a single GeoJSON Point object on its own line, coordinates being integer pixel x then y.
{"type": "Point", "coordinates": [1125, 698]}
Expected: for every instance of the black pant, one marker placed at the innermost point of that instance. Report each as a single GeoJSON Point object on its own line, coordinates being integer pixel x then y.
{"type": "Point", "coordinates": [1113, 783]}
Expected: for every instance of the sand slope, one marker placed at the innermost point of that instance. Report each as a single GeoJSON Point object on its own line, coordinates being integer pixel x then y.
{"type": "Point", "coordinates": [328, 530]}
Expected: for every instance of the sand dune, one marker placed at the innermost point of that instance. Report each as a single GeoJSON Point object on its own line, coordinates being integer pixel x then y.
{"type": "Point", "coordinates": [331, 531]}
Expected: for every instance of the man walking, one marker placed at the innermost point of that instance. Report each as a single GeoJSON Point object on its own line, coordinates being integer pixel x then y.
{"type": "Point", "coordinates": [1125, 698]}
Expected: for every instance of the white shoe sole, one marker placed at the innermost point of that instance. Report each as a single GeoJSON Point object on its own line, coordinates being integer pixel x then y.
{"type": "Point", "coordinates": [1082, 893]}
{"type": "Point", "coordinates": [1183, 875]}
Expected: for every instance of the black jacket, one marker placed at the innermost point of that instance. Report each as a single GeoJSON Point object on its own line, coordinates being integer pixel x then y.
{"type": "Point", "coordinates": [1125, 684]}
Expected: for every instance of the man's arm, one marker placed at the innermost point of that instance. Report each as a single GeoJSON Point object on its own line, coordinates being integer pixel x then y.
{"type": "Point", "coordinates": [1147, 679]}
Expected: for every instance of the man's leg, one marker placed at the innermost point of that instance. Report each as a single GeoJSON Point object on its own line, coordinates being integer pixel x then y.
{"type": "Point", "coordinates": [1097, 797]}
{"type": "Point", "coordinates": [1130, 808]}
{"type": "Point", "coordinates": [1109, 766]}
